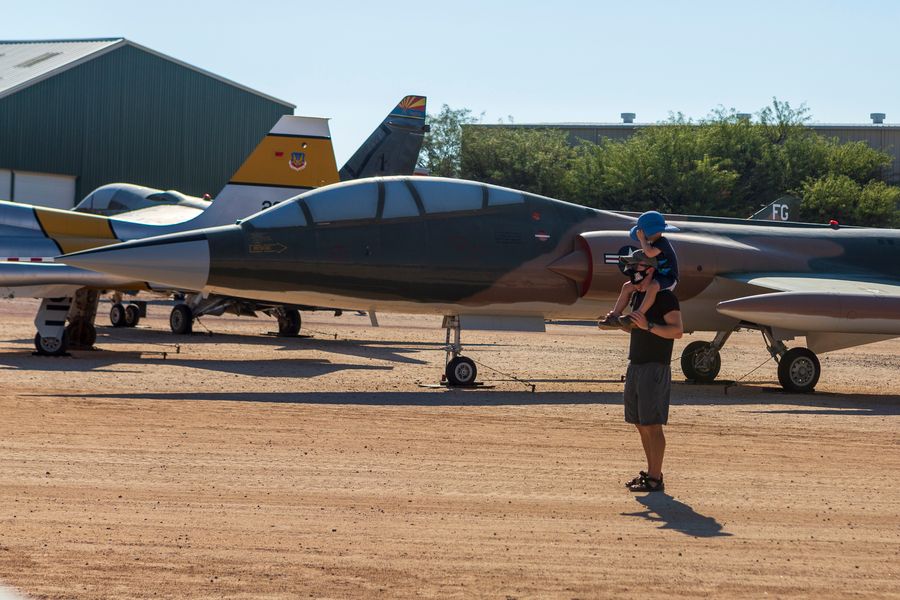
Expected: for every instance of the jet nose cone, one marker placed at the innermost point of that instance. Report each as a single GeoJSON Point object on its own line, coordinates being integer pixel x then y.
{"type": "Point", "coordinates": [179, 261]}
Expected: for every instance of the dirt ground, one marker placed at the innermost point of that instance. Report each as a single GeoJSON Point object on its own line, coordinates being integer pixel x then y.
{"type": "Point", "coordinates": [250, 466]}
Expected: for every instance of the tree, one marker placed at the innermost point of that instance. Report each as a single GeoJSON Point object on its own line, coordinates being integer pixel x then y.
{"type": "Point", "coordinates": [441, 148]}
{"type": "Point", "coordinates": [838, 197]}
{"type": "Point", "coordinates": [723, 165]}
{"type": "Point", "coordinates": [531, 160]}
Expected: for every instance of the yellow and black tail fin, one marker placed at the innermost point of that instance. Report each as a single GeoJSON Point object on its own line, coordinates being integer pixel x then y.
{"type": "Point", "coordinates": [295, 156]}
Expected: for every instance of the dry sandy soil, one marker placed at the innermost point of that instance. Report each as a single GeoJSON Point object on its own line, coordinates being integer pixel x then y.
{"type": "Point", "coordinates": [249, 466]}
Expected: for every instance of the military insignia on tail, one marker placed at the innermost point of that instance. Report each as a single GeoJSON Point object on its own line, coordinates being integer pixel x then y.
{"type": "Point", "coordinates": [298, 161]}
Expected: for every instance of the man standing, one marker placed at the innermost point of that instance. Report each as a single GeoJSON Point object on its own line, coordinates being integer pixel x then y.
{"type": "Point", "coordinates": [649, 378]}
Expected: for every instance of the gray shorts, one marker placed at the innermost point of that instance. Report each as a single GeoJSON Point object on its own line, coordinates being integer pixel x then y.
{"type": "Point", "coordinates": [647, 388]}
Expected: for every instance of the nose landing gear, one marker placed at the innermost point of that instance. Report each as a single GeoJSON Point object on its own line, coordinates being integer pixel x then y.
{"type": "Point", "coordinates": [460, 371]}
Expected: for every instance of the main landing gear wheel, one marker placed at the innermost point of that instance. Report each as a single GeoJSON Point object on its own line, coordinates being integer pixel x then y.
{"type": "Point", "coordinates": [289, 322]}
{"type": "Point", "coordinates": [132, 315]}
{"type": "Point", "coordinates": [799, 370]}
{"type": "Point", "coordinates": [461, 371]}
{"type": "Point", "coordinates": [181, 319]}
{"type": "Point", "coordinates": [117, 315]}
{"type": "Point", "coordinates": [50, 346]}
{"type": "Point", "coordinates": [700, 362]}
{"type": "Point", "coordinates": [81, 334]}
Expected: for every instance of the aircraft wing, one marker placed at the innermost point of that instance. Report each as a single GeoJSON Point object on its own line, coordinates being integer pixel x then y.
{"type": "Point", "coordinates": [806, 282]}
{"type": "Point", "coordinates": [15, 274]}
{"type": "Point", "coordinates": [832, 311]}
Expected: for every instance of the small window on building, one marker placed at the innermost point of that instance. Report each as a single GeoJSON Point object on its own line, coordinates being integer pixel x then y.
{"type": "Point", "coordinates": [33, 61]}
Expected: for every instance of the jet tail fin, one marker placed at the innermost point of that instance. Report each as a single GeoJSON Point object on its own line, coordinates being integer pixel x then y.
{"type": "Point", "coordinates": [393, 148]}
{"type": "Point", "coordinates": [785, 208]}
{"type": "Point", "coordinates": [295, 156]}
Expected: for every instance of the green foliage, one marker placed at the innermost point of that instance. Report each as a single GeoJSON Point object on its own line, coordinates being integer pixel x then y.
{"type": "Point", "coordinates": [442, 147]}
{"type": "Point", "coordinates": [722, 165]}
{"type": "Point", "coordinates": [532, 160]}
{"type": "Point", "coordinates": [839, 197]}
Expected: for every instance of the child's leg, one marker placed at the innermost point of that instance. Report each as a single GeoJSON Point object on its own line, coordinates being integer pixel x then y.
{"type": "Point", "coordinates": [622, 300]}
{"type": "Point", "coordinates": [649, 297]}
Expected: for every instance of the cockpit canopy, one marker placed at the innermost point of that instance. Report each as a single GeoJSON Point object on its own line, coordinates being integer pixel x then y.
{"type": "Point", "coordinates": [384, 199]}
{"type": "Point", "coordinates": [116, 198]}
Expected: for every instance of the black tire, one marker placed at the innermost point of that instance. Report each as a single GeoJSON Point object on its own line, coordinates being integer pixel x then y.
{"type": "Point", "coordinates": [117, 315]}
{"type": "Point", "coordinates": [289, 323]}
{"type": "Point", "coordinates": [50, 346]}
{"type": "Point", "coordinates": [461, 371]}
{"type": "Point", "coordinates": [81, 334]}
{"type": "Point", "coordinates": [132, 315]}
{"type": "Point", "coordinates": [181, 319]}
{"type": "Point", "coordinates": [700, 363]}
{"type": "Point", "coordinates": [799, 370]}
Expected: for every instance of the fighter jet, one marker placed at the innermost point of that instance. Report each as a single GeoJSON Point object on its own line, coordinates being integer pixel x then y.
{"type": "Point", "coordinates": [295, 156]}
{"type": "Point", "coordinates": [474, 252]}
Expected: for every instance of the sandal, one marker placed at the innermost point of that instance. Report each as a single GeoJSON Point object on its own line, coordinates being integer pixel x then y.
{"type": "Point", "coordinates": [649, 484]}
{"type": "Point", "coordinates": [637, 480]}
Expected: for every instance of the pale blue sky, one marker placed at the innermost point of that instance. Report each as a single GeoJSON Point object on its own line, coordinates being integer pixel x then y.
{"type": "Point", "coordinates": [536, 61]}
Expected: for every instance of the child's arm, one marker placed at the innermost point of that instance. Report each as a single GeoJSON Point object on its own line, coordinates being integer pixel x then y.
{"type": "Point", "coordinates": [648, 248]}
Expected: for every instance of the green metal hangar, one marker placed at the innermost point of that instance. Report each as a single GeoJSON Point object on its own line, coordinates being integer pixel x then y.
{"type": "Point", "coordinates": [78, 114]}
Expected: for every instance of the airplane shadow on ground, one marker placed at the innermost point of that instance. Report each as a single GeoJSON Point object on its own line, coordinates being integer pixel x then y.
{"type": "Point", "coordinates": [452, 398]}
{"type": "Point", "coordinates": [158, 341]}
{"type": "Point", "coordinates": [674, 514]}
{"type": "Point", "coordinates": [481, 397]}
{"type": "Point", "coordinates": [100, 363]}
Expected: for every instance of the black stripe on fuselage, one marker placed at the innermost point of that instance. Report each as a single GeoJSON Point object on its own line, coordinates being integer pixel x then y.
{"type": "Point", "coordinates": [299, 135]}
{"type": "Point", "coordinates": [416, 197]}
{"type": "Point", "coordinates": [44, 231]}
{"type": "Point", "coordinates": [306, 212]}
{"type": "Point", "coordinates": [272, 185]}
{"type": "Point", "coordinates": [379, 212]}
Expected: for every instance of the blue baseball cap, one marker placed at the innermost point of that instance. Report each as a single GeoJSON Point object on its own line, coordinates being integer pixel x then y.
{"type": "Point", "coordinates": [652, 223]}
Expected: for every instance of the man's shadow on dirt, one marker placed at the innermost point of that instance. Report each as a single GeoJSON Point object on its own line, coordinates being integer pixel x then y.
{"type": "Point", "coordinates": [677, 515]}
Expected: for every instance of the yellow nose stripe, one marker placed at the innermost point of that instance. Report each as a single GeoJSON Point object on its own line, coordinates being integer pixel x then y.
{"type": "Point", "coordinates": [75, 231]}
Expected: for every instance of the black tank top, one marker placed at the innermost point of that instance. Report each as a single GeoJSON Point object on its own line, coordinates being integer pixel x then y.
{"type": "Point", "coordinates": [647, 347]}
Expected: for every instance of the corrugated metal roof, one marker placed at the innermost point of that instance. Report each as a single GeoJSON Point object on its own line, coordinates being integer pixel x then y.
{"type": "Point", "coordinates": [24, 63]}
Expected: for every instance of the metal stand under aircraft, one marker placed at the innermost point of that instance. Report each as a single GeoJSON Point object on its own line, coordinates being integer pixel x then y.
{"type": "Point", "coordinates": [798, 368]}
{"type": "Point", "coordinates": [459, 370]}
{"type": "Point", "coordinates": [50, 339]}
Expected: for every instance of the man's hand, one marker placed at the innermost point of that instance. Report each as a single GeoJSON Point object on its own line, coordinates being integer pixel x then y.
{"type": "Point", "coordinates": [639, 320]}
